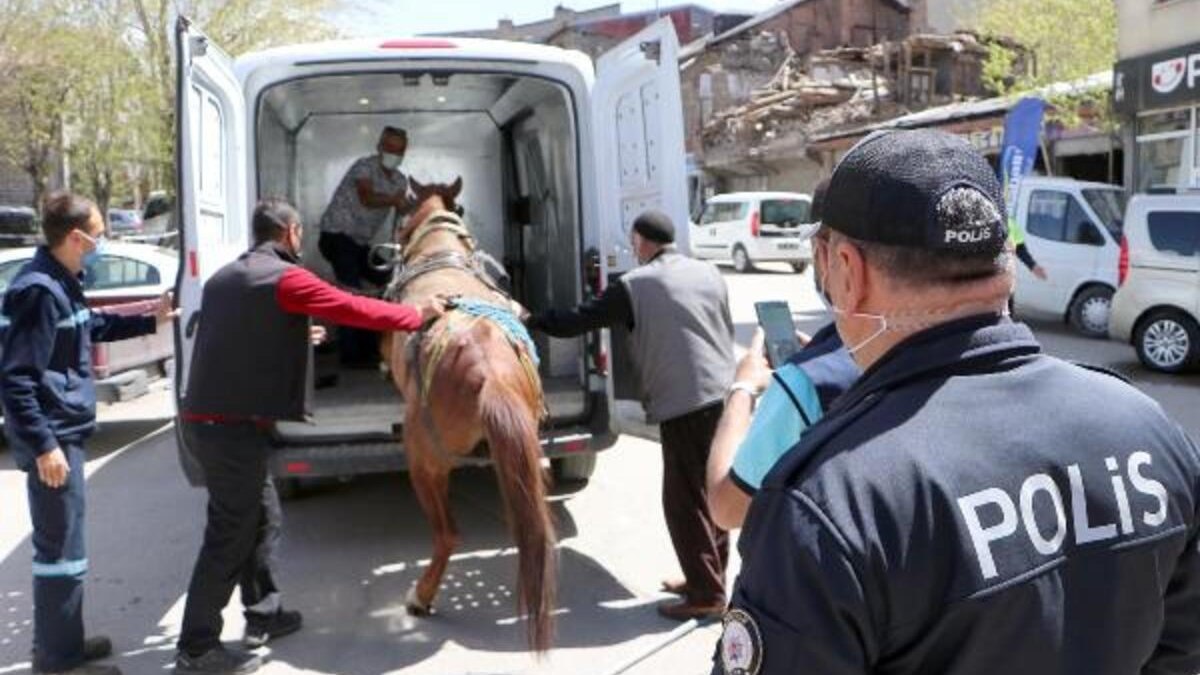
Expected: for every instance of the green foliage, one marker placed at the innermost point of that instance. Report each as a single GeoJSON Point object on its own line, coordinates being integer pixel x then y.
{"type": "Point", "coordinates": [1067, 40]}
{"type": "Point", "coordinates": [92, 81]}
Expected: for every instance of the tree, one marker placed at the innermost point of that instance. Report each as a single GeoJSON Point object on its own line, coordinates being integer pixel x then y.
{"type": "Point", "coordinates": [35, 79]}
{"type": "Point", "coordinates": [93, 81]}
{"type": "Point", "coordinates": [1067, 40]}
{"type": "Point", "coordinates": [1070, 39]}
{"type": "Point", "coordinates": [237, 26]}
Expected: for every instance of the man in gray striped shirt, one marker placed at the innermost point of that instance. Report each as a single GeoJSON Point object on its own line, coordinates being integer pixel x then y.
{"type": "Point", "coordinates": [369, 192]}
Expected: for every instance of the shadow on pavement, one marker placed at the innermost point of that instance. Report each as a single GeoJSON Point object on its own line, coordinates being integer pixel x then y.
{"type": "Point", "coordinates": [350, 552]}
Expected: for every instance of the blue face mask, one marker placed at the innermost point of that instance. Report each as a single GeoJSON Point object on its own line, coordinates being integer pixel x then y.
{"type": "Point", "coordinates": [93, 256]}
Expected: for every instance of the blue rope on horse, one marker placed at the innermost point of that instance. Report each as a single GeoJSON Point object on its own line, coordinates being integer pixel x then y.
{"type": "Point", "coordinates": [502, 317]}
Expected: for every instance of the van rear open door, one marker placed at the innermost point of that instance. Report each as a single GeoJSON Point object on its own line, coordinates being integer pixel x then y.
{"type": "Point", "coordinates": [637, 114]}
{"type": "Point", "coordinates": [212, 211]}
{"type": "Point", "coordinates": [637, 117]}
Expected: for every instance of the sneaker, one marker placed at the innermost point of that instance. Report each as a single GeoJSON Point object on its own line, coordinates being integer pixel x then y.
{"type": "Point", "coordinates": [219, 659]}
{"type": "Point", "coordinates": [262, 629]}
{"type": "Point", "coordinates": [94, 649]}
{"type": "Point", "coordinates": [85, 669]}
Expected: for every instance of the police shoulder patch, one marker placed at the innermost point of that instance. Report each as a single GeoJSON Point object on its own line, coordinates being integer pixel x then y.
{"type": "Point", "coordinates": [741, 644]}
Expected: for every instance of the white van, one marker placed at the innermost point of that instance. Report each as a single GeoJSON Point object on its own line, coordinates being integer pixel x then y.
{"type": "Point", "coordinates": [750, 227]}
{"type": "Point", "coordinates": [1157, 307]}
{"type": "Point", "coordinates": [1073, 230]}
{"type": "Point", "coordinates": [556, 163]}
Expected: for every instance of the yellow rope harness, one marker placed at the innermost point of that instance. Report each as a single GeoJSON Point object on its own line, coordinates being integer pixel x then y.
{"type": "Point", "coordinates": [455, 322]}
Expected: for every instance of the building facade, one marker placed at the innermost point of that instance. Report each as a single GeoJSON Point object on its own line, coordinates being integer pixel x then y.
{"type": "Point", "coordinates": [1156, 91]}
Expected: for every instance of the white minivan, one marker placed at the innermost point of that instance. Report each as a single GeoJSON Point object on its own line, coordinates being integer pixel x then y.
{"type": "Point", "coordinates": [1073, 230]}
{"type": "Point", "coordinates": [1157, 307]}
{"type": "Point", "coordinates": [750, 227]}
{"type": "Point", "coordinates": [557, 159]}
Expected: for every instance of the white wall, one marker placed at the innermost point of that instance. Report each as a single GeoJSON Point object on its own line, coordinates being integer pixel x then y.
{"type": "Point", "coordinates": [442, 146]}
{"type": "Point", "coordinates": [1146, 26]}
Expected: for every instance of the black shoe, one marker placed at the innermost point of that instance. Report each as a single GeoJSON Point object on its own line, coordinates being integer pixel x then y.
{"type": "Point", "coordinates": [218, 660]}
{"type": "Point", "coordinates": [262, 629]}
{"type": "Point", "coordinates": [94, 648]}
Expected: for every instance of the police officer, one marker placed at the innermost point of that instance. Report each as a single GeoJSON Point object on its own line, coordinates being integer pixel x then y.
{"type": "Point", "coordinates": [46, 334]}
{"type": "Point", "coordinates": [248, 370]}
{"type": "Point", "coordinates": [970, 505]}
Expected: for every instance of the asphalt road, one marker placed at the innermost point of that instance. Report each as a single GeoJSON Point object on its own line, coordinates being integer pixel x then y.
{"type": "Point", "coordinates": [352, 549]}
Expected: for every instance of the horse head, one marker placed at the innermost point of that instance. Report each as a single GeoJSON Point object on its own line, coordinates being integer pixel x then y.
{"type": "Point", "coordinates": [431, 198]}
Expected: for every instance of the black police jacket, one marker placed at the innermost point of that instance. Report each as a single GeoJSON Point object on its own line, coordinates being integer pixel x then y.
{"type": "Point", "coordinates": [972, 506]}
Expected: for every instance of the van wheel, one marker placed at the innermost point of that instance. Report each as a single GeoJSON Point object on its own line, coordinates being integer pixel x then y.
{"type": "Point", "coordinates": [799, 267]}
{"type": "Point", "coordinates": [573, 469]}
{"type": "Point", "coordinates": [1167, 341]}
{"type": "Point", "coordinates": [1089, 311]}
{"type": "Point", "coordinates": [741, 260]}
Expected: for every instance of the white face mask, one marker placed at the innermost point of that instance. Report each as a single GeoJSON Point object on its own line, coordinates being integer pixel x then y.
{"type": "Point", "coordinates": [828, 301]}
{"type": "Point", "coordinates": [390, 161]}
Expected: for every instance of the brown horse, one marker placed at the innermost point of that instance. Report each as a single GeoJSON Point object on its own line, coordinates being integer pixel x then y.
{"type": "Point", "coordinates": [464, 381]}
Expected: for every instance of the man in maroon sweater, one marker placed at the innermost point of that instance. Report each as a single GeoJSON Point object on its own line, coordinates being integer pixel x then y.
{"type": "Point", "coordinates": [250, 368]}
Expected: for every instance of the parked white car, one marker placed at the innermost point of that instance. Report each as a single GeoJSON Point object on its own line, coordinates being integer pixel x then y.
{"type": "Point", "coordinates": [1073, 230]}
{"type": "Point", "coordinates": [125, 273]}
{"type": "Point", "coordinates": [754, 227]}
{"type": "Point", "coordinates": [1157, 307]}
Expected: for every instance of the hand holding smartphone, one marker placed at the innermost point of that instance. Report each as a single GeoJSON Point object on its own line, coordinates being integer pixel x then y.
{"type": "Point", "coordinates": [775, 317]}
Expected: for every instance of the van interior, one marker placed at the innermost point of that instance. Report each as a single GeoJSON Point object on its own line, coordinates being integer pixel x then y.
{"type": "Point", "coordinates": [511, 137]}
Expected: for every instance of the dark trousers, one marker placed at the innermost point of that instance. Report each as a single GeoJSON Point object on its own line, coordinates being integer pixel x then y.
{"type": "Point", "coordinates": [59, 566]}
{"type": "Point", "coordinates": [701, 546]}
{"type": "Point", "coordinates": [351, 268]}
{"type": "Point", "coordinates": [242, 534]}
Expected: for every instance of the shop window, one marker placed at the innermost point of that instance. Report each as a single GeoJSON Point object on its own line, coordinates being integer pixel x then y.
{"type": "Point", "coordinates": [1163, 162]}
{"type": "Point", "coordinates": [1165, 122]}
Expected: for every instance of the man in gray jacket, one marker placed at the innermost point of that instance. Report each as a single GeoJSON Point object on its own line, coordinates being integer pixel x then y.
{"type": "Point", "coordinates": [681, 335]}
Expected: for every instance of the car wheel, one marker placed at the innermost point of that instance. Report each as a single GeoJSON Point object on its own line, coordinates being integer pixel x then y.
{"type": "Point", "coordinates": [741, 260]}
{"type": "Point", "coordinates": [1167, 341]}
{"type": "Point", "coordinates": [573, 469]}
{"type": "Point", "coordinates": [799, 267]}
{"type": "Point", "coordinates": [1089, 311]}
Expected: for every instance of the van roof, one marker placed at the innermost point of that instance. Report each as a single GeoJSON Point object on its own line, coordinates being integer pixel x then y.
{"type": "Point", "coordinates": [746, 196]}
{"type": "Point", "coordinates": [1187, 200]}
{"type": "Point", "coordinates": [1054, 181]}
{"type": "Point", "coordinates": [383, 49]}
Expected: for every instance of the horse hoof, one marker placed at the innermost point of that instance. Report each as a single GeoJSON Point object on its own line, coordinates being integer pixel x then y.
{"type": "Point", "coordinates": [414, 606]}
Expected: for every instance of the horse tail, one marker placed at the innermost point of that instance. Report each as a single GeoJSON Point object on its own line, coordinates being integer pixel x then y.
{"type": "Point", "coordinates": [511, 431]}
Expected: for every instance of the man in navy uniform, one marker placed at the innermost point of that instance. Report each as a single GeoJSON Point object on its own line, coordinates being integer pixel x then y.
{"type": "Point", "coordinates": [970, 505]}
{"type": "Point", "coordinates": [49, 398]}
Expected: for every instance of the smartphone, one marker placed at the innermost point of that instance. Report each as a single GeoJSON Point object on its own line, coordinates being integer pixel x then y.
{"type": "Point", "coordinates": [775, 317]}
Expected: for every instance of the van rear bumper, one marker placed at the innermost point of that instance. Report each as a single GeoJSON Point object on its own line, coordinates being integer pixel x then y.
{"type": "Point", "coordinates": [351, 459]}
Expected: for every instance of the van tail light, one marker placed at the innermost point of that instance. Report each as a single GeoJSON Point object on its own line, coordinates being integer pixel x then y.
{"type": "Point", "coordinates": [100, 361]}
{"type": "Point", "coordinates": [600, 361]}
{"type": "Point", "coordinates": [755, 223]}
{"type": "Point", "coordinates": [1123, 262]}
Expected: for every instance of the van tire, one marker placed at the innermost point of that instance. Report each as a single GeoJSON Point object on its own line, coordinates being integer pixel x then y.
{"type": "Point", "coordinates": [573, 469]}
{"type": "Point", "coordinates": [799, 267]}
{"type": "Point", "coordinates": [1162, 329]}
{"type": "Point", "coordinates": [741, 260]}
{"type": "Point", "coordinates": [1090, 310]}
